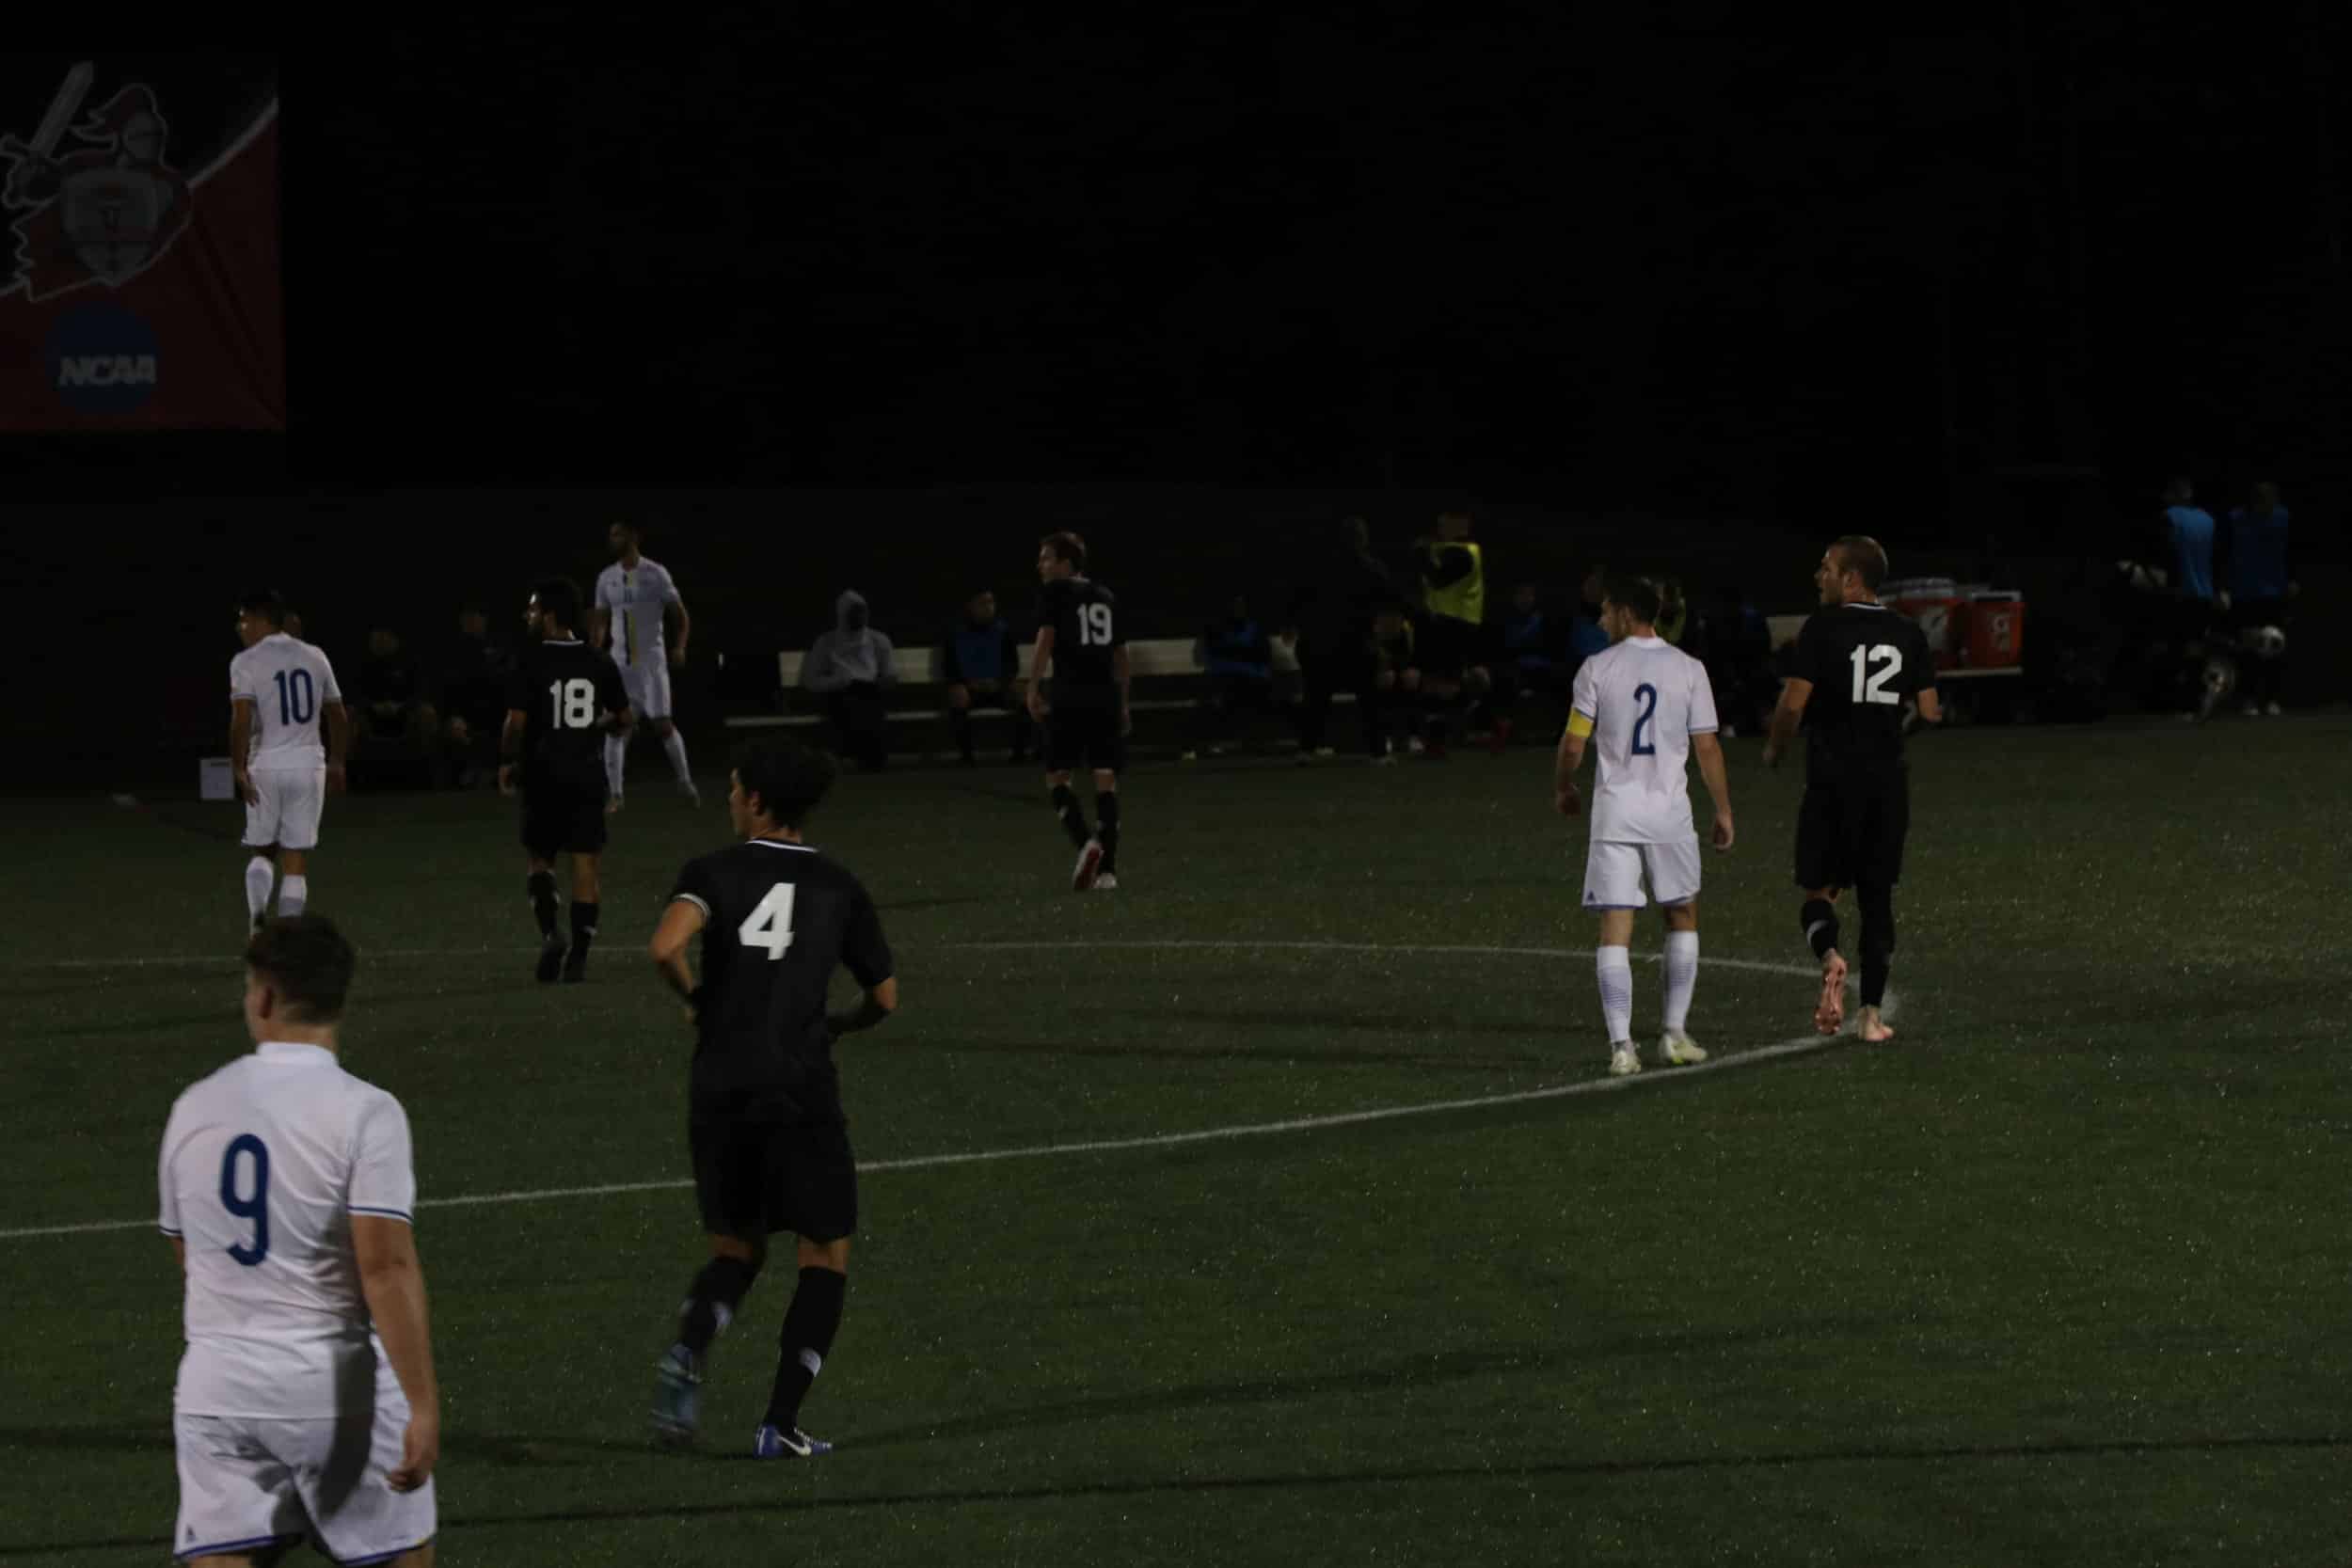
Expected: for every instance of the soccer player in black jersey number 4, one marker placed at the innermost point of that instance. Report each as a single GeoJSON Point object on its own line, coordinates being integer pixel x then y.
{"type": "Point", "coordinates": [565, 698]}
{"type": "Point", "coordinates": [1084, 711]}
{"type": "Point", "coordinates": [770, 1146]}
{"type": "Point", "coordinates": [1857, 663]}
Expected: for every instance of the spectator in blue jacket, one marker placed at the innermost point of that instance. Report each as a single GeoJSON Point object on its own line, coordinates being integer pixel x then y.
{"type": "Point", "coordinates": [2258, 596]}
{"type": "Point", "coordinates": [1530, 659]}
{"type": "Point", "coordinates": [1238, 656]}
{"type": "Point", "coordinates": [2187, 541]}
{"type": "Point", "coordinates": [980, 665]}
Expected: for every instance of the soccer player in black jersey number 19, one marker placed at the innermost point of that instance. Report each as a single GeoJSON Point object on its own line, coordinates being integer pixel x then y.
{"type": "Point", "coordinates": [764, 1126]}
{"type": "Point", "coordinates": [1083, 640]}
{"type": "Point", "coordinates": [1857, 664]}
{"type": "Point", "coordinates": [565, 699]}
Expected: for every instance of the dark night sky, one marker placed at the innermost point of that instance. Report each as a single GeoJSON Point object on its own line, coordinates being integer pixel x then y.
{"type": "Point", "coordinates": [865, 244]}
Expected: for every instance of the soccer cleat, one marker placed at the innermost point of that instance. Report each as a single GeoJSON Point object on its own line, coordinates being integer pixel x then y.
{"type": "Point", "coordinates": [783, 1443]}
{"type": "Point", "coordinates": [1106, 881]}
{"type": "Point", "coordinates": [678, 1398]}
{"type": "Point", "coordinates": [693, 795]}
{"type": "Point", "coordinates": [612, 805]}
{"type": "Point", "coordinates": [1623, 1063]}
{"type": "Point", "coordinates": [1386, 759]}
{"type": "Point", "coordinates": [576, 966]}
{"type": "Point", "coordinates": [551, 958]}
{"type": "Point", "coordinates": [2250, 711]}
{"type": "Point", "coordinates": [2272, 710]}
{"type": "Point", "coordinates": [1829, 1014]}
{"type": "Point", "coordinates": [1680, 1051]}
{"type": "Point", "coordinates": [1416, 745]}
{"type": "Point", "coordinates": [1089, 865]}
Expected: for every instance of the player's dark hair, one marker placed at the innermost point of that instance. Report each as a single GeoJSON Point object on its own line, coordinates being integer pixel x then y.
{"type": "Point", "coordinates": [1067, 545]}
{"type": "Point", "coordinates": [559, 599]}
{"type": "Point", "coordinates": [305, 959]}
{"type": "Point", "coordinates": [1637, 596]}
{"type": "Point", "coordinates": [267, 604]}
{"type": "Point", "coordinates": [1864, 557]}
{"type": "Point", "coordinates": [788, 779]}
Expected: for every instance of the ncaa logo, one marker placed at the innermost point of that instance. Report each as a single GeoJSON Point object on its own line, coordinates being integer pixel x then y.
{"type": "Point", "coordinates": [103, 360]}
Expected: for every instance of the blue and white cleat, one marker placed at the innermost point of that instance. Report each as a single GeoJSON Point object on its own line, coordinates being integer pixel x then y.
{"type": "Point", "coordinates": [777, 1443]}
{"type": "Point", "coordinates": [677, 1399]}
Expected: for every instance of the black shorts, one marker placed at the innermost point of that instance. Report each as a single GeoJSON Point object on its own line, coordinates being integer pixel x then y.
{"type": "Point", "coordinates": [561, 819]}
{"type": "Point", "coordinates": [1446, 647]}
{"type": "Point", "coordinates": [1851, 830]}
{"type": "Point", "coordinates": [757, 1175]}
{"type": "Point", "coordinates": [1083, 737]}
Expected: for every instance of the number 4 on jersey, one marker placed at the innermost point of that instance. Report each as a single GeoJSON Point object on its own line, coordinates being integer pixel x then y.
{"type": "Point", "coordinates": [771, 925]}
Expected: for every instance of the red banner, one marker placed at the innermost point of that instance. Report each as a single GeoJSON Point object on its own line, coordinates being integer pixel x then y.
{"type": "Point", "coordinates": [140, 282]}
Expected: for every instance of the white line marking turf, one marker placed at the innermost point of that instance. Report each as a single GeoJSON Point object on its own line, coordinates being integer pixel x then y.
{"type": "Point", "coordinates": [1796, 1046]}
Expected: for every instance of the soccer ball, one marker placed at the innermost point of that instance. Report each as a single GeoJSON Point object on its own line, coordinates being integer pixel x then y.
{"type": "Point", "coordinates": [2265, 641]}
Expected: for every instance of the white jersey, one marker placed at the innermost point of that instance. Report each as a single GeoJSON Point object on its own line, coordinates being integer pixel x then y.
{"type": "Point", "coordinates": [288, 682]}
{"type": "Point", "coordinates": [635, 597]}
{"type": "Point", "coordinates": [1644, 699]}
{"type": "Point", "coordinates": [263, 1164]}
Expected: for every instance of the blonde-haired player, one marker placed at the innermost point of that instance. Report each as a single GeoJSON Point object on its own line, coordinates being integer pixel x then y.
{"type": "Point", "coordinates": [1646, 706]}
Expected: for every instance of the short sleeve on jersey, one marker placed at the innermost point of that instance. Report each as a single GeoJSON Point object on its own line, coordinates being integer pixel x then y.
{"type": "Point", "coordinates": [1815, 655]}
{"type": "Point", "coordinates": [518, 686]}
{"type": "Point", "coordinates": [1703, 719]}
{"type": "Point", "coordinates": [383, 1173]}
{"type": "Point", "coordinates": [242, 682]}
{"type": "Point", "coordinates": [668, 588]}
{"type": "Point", "coordinates": [863, 952]}
{"type": "Point", "coordinates": [167, 1196]}
{"type": "Point", "coordinates": [1584, 693]}
{"type": "Point", "coordinates": [1119, 622]}
{"type": "Point", "coordinates": [698, 884]}
{"type": "Point", "coordinates": [1919, 657]}
{"type": "Point", "coordinates": [327, 688]}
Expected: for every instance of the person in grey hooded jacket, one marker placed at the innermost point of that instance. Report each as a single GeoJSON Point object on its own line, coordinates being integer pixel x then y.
{"type": "Point", "coordinates": [847, 667]}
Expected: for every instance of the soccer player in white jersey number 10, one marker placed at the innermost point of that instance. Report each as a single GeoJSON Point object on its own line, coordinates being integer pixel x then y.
{"type": "Point", "coordinates": [1647, 708]}
{"type": "Point", "coordinates": [636, 599]}
{"type": "Point", "coordinates": [281, 698]}
{"type": "Point", "coordinates": [306, 1404]}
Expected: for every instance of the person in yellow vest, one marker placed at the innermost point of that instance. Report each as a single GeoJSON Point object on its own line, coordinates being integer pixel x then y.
{"type": "Point", "coordinates": [1453, 616]}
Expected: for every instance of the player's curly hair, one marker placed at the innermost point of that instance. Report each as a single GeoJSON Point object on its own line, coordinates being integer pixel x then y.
{"type": "Point", "coordinates": [788, 779]}
{"type": "Point", "coordinates": [306, 960]}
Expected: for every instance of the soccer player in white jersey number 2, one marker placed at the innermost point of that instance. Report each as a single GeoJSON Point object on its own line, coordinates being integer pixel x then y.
{"type": "Point", "coordinates": [282, 696]}
{"type": "Point", "coordinates": [1648, 709]}
{"type": "Point", "coordinates": [306, 1404]}
{"type": "Point", "coordinates": [635, 598]}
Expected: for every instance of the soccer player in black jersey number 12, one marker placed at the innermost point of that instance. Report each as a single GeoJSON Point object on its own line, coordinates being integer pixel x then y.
{"type": "Point", "coordinates": [769, 1142]}
{"type": "Point", "coordinates": [1083, 640]}
{"type": "Point", "coordinates": [1857, 664]}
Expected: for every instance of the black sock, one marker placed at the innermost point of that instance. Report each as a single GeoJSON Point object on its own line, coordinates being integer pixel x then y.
{"type": "Point", "coordinates": [541, 885]}
{"type": "Point", "coordinates": [1073, 821]}
{"type": "Point", "coordinates": [1820, 919]}
{"type": "Point", "coordinates": [711, 1301]}
{"type": "Point", "coordinates": [960, 721]}
{"type": "Point", "coordinates": [1107, 808]}
{"type": "Point", "coordinates": [809, 1324]}
{"type": "Point", "coordinates": [584, 926]}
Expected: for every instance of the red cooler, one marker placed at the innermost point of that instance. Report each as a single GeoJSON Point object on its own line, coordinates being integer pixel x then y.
{"type": "Point", "coordinates": [1942, 613]}
{"type": "Point", "coordinates": [1996, 631]}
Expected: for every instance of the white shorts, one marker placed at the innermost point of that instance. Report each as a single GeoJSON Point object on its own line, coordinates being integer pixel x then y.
{"type": "Point", "coordinates": [246, 1482]}
{"type": "Point", "coordinates": [287, 814]}
{"type": "Point", "coordinates": [1612, 873]}
{"type": "Point", "coordinates": [648, 685]}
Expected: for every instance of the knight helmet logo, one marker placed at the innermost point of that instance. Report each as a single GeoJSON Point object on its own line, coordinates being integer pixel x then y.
{"type": "Point", "coordinates": [102, 212]}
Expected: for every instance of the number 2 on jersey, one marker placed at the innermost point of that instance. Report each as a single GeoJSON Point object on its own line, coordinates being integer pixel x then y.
{"type": "Point", "coordinates": [769, 926]}
{"type": "Point", "coordinates": [254, 1208]}
{"type": "Point", "coordinates": [1886, 662]}
{"type": "Point", "coordinates": [1646, 695]}
{"type": "Point", "coordinates": [575, 704]}
{"type": "Point", "coordinates": [1094, 625]}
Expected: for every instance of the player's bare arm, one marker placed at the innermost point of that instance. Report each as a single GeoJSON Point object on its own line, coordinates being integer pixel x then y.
{"type": "Point", "coordinates": [179, 1252]}
{"type": "Point", "coordinates": [510, 748]}
{"type": "Point", "coordinates": [600, 628]}
{"type": "Point", "coordinates": [1794, 694]}
{"type": "Point", "coordinates": [1930, 707]}
{"type": "Point", "coordinates": [1041, 660]}
{"type": "Point", "coordinates": [1123, 671]}
{"type": "Point", "coordinates": [393, 1281]}
{"type": "Point", "coordinates": [1710, 752]}
{"type": "Point", "coordinates": [241, 711]}
{"type": "Point", "coordinates": [675, 612]}
{"type": "Point", "coordinates": [337, 744]}
{"type": "Point", "coordinates": [877, 1005]}
{"type": "Point", "coordinates": [680, 922]}
{"type": "Point", "coordinates": [1570, 757]}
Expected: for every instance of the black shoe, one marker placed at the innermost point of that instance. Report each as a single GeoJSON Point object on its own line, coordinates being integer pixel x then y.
{"type": "Point", "coordinates": [576, 966]}
{"type": "Point", "coordinates": [550, 956]}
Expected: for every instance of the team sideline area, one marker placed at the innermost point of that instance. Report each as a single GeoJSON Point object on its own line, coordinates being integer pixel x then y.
{"type": "Point", "coordinates": [2057, 1274]}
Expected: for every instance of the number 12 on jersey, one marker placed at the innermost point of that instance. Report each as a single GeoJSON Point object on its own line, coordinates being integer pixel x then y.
{"type": "Point", "coordinates": [1885, 662]}
{"type": "Point", "coordinates": [769, 926]}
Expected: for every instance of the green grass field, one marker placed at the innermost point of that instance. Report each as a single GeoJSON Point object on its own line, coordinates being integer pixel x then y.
{"type": "Point", "coordinates": [2058, 1276]}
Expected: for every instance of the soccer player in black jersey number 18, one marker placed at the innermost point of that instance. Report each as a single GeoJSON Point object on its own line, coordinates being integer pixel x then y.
{"type": "Point", "coordinates": [1082, 638]}
{"type": "Point", "coordinates": [1857, 664]}
{"type": "Point", "coordinates": [764, 1126]}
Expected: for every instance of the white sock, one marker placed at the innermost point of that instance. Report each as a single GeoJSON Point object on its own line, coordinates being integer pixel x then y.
{"type": "Point", "coordinates": [292, 896]}
{"type": "Point", "coordinates": [615, 762]}
{"type": "Point", "coordinates": [1615, 969]}
{"type": "Point", "coordinates": [674, 744]}
{"type": "Point", "coordinates": [259, 877]}
{"type": "Point", "coordinates": [1682, 977]}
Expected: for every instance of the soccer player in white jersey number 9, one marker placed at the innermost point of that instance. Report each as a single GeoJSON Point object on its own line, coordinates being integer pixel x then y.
{"type": "Point", "coordinates": [635, 600]}
{"type": "Point", "coordinates": [306, 1404]}
{"type": "Point", "coordinates": [1646, 706]}
{"type": "Point", "coordinates": [282, 696]}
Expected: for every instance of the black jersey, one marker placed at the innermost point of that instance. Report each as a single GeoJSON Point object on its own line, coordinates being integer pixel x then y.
{"type": "Point", "coordinates": [778, 918]}
{"type": "Point", "coordinates": [1863, 660]}
{"type": "Point", "coordinates": [1086, 626]}
{"type": "Point", "coordinates": [566, 689]}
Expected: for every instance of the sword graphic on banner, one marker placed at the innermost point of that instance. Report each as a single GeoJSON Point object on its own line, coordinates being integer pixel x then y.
{"type": "Point", "coordinates": [70, 95]}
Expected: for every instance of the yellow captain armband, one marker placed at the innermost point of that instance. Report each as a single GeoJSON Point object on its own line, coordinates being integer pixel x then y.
{"type": "Point", "coordinates": [1579, 725]}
